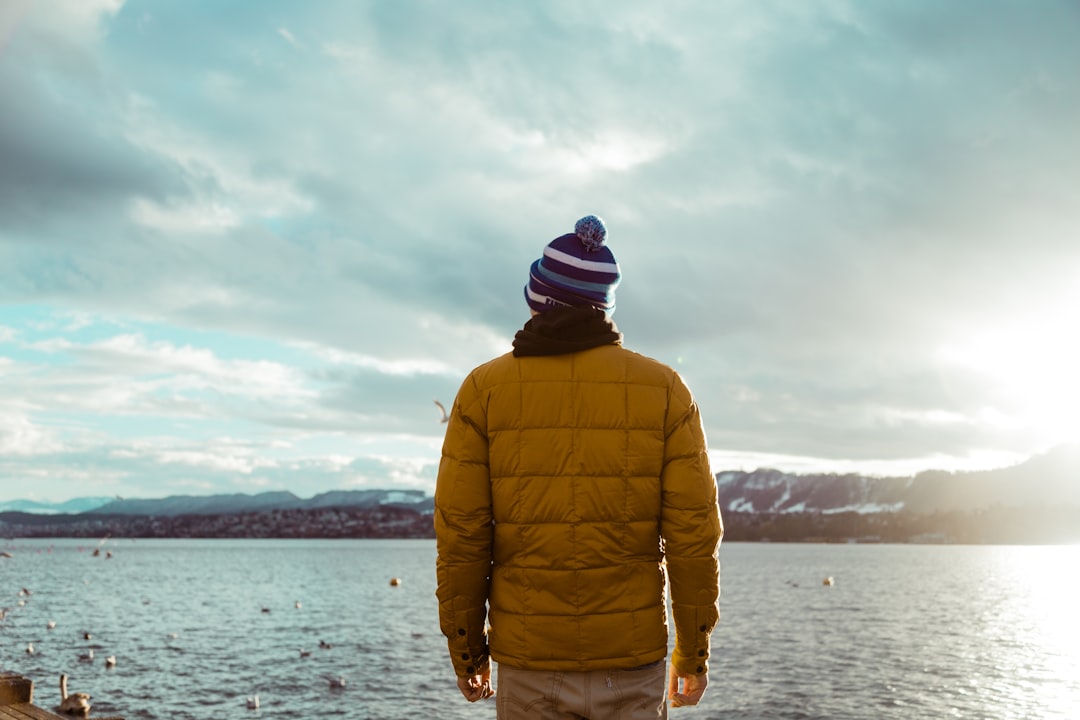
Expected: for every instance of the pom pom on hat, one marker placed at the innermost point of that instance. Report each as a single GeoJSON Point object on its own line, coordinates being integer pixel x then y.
{"type": "Point", "coordinates": [575, 269]}
{"type": "Point", "coordinates": [592, 232]}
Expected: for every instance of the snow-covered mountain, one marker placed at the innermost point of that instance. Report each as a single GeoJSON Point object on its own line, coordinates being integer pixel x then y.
{"type": "Point", "coordinates": [1048, 480]}
{"type": "Point", "coordinates": [768, 490]}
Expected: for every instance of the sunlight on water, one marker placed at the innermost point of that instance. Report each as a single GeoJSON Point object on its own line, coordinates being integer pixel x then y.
{"type": "Point", "coordinates": [1043, 609]}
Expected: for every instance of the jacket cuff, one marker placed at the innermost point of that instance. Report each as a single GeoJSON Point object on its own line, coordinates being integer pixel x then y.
{"type": "Point", "coordinates": [692, 644]}
{"type": "Point", "coordinates": [468, 650]}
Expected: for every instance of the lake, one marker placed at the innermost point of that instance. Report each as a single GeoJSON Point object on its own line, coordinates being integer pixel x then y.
{"type": "Point", "coordinates": [198, 626]}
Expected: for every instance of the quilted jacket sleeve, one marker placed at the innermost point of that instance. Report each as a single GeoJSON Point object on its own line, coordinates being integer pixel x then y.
{"type": "Point", "coordinates": [463, 531]}
{"type": "Point", "coordinates": [691, 528]}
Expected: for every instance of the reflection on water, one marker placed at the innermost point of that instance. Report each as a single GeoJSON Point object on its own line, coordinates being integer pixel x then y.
{"type": "Point", "coordinates": [904, 632]}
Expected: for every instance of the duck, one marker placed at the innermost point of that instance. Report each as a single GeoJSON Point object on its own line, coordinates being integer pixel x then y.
{"type": "Point", "coordinates": [305, 653]}
{"type": "Point", "coordinates": [336, 682]}
{"type": "Point", "coordinates": [30, 648]}
{"type": "Point", "coordinates": [828, 581]}
{"type": "Point", "coordinates": [110, 662]}
{"type": "Point", "coordinates": [73, 704]}
{"type": "Point", "coordinates": [253, 702]}
{"type": "Point", "coordinates": [51, 624]}
{"type": "Point", "coordinates": [88, 656]}
{"type": "Point", "coordinates": [325, 645]}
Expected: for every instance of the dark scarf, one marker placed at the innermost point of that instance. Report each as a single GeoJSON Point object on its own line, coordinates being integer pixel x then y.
{"type": "Point", "coordinates": [565, 330]}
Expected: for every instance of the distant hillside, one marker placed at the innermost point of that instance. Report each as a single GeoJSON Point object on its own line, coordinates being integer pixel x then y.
{"type": "Point", "coordinates": [262, 502]}
{"type": "Point", "coordinates": [76, 505]}
{"type": "Point", "coordinates": [1049, 480]}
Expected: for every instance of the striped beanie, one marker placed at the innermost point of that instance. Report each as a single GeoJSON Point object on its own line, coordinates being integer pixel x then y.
{"type": "Point", "coordinates": [576, 269]}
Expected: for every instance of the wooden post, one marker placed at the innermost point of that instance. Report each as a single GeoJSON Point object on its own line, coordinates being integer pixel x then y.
{"type": "Point", "coordinates": [15, 689]}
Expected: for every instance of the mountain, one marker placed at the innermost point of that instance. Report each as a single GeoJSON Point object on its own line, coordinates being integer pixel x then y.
{"type": "Point", "coordinates": [77, 505]}
{"type": "Point", "coordinates": [766, 490]}
{"type": "Point", "coordinates": [201, 504]}
{"type": "Point", "coordinates": [262, 502]}
{"type": "Point", "coordinates": [1048, 480]}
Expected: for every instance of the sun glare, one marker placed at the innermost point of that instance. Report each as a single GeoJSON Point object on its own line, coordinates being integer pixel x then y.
{"type": "Point", "coordinates": [1028, 366]}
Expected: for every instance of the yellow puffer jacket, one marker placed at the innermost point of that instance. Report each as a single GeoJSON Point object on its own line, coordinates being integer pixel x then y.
{"type": "Point", "coordinates": [566, 484]}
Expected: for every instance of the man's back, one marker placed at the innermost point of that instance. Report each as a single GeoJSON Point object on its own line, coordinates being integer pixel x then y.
{"type": "Point", "coordinates": [590, 459]}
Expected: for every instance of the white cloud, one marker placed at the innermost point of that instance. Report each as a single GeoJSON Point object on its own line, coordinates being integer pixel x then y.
{"type": "Point", "coordinates": [21, 437]}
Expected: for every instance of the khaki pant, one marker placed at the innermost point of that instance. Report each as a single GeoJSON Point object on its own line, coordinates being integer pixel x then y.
{"type": "Point", "coordinates": [638, 694]}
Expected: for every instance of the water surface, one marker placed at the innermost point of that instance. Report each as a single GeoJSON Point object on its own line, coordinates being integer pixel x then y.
{"type": "Point", "coordinates": [198, 626]}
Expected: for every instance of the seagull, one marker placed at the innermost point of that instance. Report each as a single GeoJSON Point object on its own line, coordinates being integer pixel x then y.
{"type": "Point", "coordinates": [110, 661]}
{"type": "Point", "coordinates": [51, 624]}
{"type": "Point", "coordinates": [75, 703]}
{"type": "Point", "coordinates": [30, 648]}
{"type": "Point", "coordinates": [445, 417]}
{"type": "Point", "coordinates": [253, 702]}
{"type": "Point", "coordinates": [336, 682]}
{"type": "Point", "coordinates": [88, 657]}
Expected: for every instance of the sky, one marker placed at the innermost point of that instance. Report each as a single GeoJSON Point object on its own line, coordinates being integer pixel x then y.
{"type": "Point", "coordinates": [245, 245]}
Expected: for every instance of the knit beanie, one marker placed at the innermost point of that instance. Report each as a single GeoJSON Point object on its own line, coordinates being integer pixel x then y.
{"type": "Point", "coordinates": [575, 269]}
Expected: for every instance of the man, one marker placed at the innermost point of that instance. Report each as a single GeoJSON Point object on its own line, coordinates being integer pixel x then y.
{"type": "Point", "coordinates": [574, 484]}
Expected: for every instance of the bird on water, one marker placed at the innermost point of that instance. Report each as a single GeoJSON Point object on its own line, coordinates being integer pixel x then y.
{"type": "Point", "coordinates": [77, 704]}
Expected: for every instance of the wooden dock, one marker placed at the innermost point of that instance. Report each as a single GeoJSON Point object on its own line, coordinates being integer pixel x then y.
{"type": "Point", "coordinates": [17, 701]}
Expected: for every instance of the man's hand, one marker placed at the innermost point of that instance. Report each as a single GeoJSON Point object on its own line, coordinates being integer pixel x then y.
{"type": "Point", "coordinates": [693, 687]}
{"type": "Point", "coordinates": [476, 687]}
